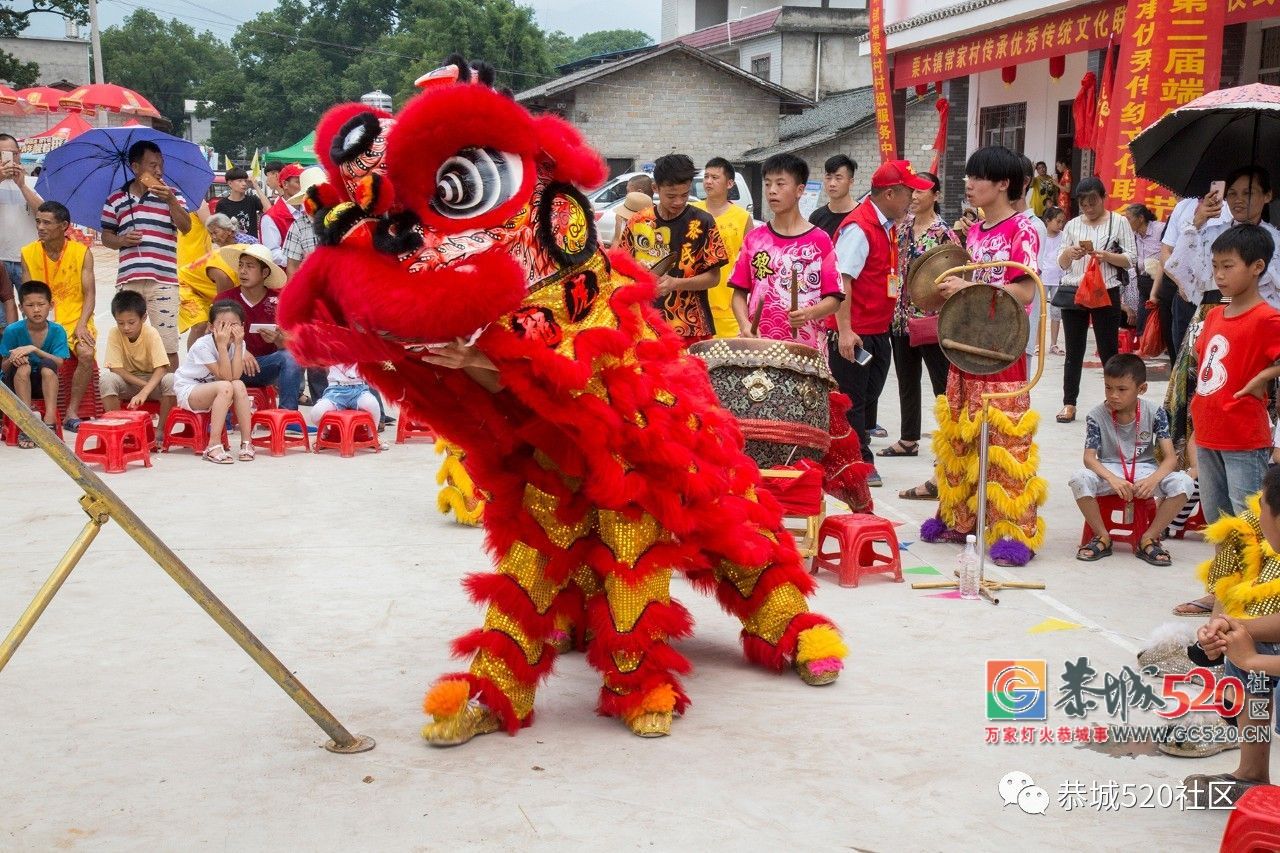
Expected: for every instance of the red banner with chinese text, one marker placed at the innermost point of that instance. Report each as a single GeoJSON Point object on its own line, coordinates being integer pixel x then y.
{"type": "Point", "coordinates": [1028, 41]}
{"type": "Point", "coordinates": [1072, 31]}
{"type": "Point", "coordinates": [1170, 54]}
{"type": "Point", "coordinates": [882, 87]}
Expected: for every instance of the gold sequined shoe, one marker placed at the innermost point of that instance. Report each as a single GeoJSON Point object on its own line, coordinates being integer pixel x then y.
{"type": "Point", "coordinates": [456, 718]}
{"type": "Point", "coordinates": [460, 728]}
{"type": "Point", "coordinates": [816, 679]}
{"type": "Point", "coordinates": [651, 724]}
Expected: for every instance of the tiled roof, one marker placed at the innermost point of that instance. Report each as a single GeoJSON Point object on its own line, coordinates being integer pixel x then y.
{"type": "Point", "coordinates": [742, 28]}
{"type": "Point", "coordinates": [834, 116]}
{"type": "Point", "coordinates": [786, 98]}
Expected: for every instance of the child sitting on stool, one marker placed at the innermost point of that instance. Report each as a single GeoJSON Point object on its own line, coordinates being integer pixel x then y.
{"type": "Point", "coordinates": [209, 380]}
{"type": "Point", "coordinates": [347, 391]}
{"type": "Point", "coordinates": [1121, 437]}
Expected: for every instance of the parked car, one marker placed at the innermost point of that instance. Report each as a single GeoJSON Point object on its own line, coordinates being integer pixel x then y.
{"type": "Point", "coordinates": [607, 198]}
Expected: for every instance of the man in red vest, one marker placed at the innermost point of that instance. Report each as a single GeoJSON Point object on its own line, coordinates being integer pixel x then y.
{"type": "Point", "coordinates": [281, 216]}
{"type": "Point", "coordinates": [867, 259]}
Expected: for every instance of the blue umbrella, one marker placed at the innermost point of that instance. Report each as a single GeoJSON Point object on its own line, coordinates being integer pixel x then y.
{"type": "Point", "coordinates": [84, 171]}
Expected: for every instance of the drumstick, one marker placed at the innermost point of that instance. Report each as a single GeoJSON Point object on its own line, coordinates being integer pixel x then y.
{"type": "Point", "coordinates": [972, 350]}
{"type": "Point", "coordinates": [755, 319]}
{"type": "Point", "coordinates": [795, 300]}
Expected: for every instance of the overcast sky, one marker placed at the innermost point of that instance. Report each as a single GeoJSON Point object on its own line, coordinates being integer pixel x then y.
{"type": "Point", "coordinates": [574, 17]}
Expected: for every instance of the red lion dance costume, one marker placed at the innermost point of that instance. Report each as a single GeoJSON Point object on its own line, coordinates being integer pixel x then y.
{"type": "Point", "coordinates": [605, 458]}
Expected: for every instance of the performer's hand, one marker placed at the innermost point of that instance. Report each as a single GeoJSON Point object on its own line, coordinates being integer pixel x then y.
{"type": "Point", "coordinates": [1212, 636]}
{"type": "Point", "coordinates": [951, 285]}
{"type": "Point", "coordinates": [745, 332]}
{"type": "Point", "coordinates": [666, 284]}
{"type": "Point", "coordinates": [1239, 645]}
{"type": "Point", "coordinates": [849, 341]}
{"type": "Point", "coordinates": [798, 317]}
{"type": "Point", "coordinates": [454, 356]}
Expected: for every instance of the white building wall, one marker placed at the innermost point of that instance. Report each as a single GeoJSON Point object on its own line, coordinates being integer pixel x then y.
{"type": "Point", "coordinates": [770, 46]}
{"type": "Point", "coordinates": [1041, 94]}
{"type": "Point", "coordinates": [677, 15]}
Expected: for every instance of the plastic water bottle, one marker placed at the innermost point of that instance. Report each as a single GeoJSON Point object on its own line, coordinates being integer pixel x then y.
{"type": "Point", "coordinates": [969, 568]}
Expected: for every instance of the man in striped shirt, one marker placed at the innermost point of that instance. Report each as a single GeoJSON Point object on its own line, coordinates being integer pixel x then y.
{"type": "Point", "coordinates": [142, 220]}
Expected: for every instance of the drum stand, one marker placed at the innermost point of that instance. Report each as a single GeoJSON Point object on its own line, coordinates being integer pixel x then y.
{"type": "Point", "coordinates": [988, 588]}
{"type": "Point", "coordinates": [101, 504]}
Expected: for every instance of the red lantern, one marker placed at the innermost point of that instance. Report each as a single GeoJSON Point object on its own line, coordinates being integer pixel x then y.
{"type": "Point", "coordinates": [1057, 67]}
{"type": "Point", "coordinates": [1008, 74]}
{"type": "Point", "coordinates": [922, 89]}
{"type": "Point", "coordinates": [937, 87]}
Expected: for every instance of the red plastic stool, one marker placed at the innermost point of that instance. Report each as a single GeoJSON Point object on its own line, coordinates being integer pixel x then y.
{"type": "Point", "coordinates": [411, 427]}
{"type": "Point", "coordinates": [262, 398]}
{"type": "Point", "coordinates": [1112, 509]}
{"type": "Point", "coordinates": [1254, 825]}
{"type": "Point", "coordinates": [140, 415]}
{"type": "Point", "coordinates": [194, 431]}
{"type": "Point", "coordinates": [349, 424]}
{"type": "Point", "coordinates": [276, 420]}
{"type": "Point", "coordinates": [11, 427]}
{"type": "Point", "coordinates": [858, 534]}
{"type": "Point", "coordinates": [90, 403]}
{"type": "Point", "coordinates": [119, 442]}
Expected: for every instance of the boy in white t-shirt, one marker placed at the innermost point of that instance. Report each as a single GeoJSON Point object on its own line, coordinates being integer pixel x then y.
{"type": "Point", "coordinates": [209, 380]}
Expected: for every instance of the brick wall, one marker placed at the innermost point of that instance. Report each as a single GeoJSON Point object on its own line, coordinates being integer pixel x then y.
{"type": "Point", "coordinates": [59, 59]}
{"type": "Point", "coordinates": [675, 104]}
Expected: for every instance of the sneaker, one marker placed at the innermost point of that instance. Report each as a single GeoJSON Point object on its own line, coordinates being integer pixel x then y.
{"type": "Point", "coordinates": [293, 429]}
{"type": "Point", "coordinates": [873, 479]}
{"type": "Point", "coordinates": [879, 432]}
{"type": "Point", "coordinates": [71, 425]}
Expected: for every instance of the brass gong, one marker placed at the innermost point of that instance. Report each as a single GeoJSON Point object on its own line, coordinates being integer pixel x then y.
{"type": "Point", "coordinates": [923, 270]}
{"type": "Point", "coordinates": [983, 329]}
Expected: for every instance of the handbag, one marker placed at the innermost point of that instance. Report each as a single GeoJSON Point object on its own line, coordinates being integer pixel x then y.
{"type": "Point", "coordinates": [1152, 343]}
{"type": "Point", "coordinates": [1092, 292]}
{"type": "Point", "coordinates": [922, 331]}
{"type": "Point", "coordinates": [1064, 297]}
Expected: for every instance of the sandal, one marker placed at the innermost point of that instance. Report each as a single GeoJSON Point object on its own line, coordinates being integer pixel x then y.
{"type": "Point", "coordinates": [1201, 609]}
{"type": "Point", "coordinates": [930, 492]}
{"type": "Point", "coordinates": [1065, 418]}
{"type": "Point", "coordinates": [901, 448]}
{"type": "Point", "coordinates": [1093, 550]}
{"type": "Point", "coordinates": [25, 442]}
{"type": "Point", "coordinates": [247, 452]}
{"type": "Point", "coordinates": [217, 455]}
{"type": "Point", "coordinates": [1057, 350]}
{"type": "Point", "coordinates": [1150, 551]}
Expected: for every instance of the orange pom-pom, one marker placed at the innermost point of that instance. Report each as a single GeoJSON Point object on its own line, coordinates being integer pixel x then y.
{"type": "Point", "coordinates": [446, 698]}
{"type": "Point", "coordinates": [659, 699]}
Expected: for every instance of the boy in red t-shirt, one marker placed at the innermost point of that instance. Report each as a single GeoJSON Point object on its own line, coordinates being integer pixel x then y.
{"type": "Point", "coordinates": [1236, 353]}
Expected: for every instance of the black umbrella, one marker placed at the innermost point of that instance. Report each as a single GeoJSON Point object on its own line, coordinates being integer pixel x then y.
{"type": "Point", "coordinates": [1207, 139]}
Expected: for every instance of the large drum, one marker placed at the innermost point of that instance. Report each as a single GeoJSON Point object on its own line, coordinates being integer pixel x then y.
{"type": "Point", "coordinates": [778, 392]}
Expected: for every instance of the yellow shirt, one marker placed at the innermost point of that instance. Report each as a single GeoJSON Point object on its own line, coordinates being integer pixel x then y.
{"type": "Point", "coordinates": [733, 225]}
{"type": "Point", "coordinates": [63, 277]}
{"type": "Point", "coordinates": [140, 357]}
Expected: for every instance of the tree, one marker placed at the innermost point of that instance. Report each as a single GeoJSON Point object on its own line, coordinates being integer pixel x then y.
{"type": "Point", "coordinates": [298, 59]}
{"type": "Point", "coordinates": [564, 49]}
{"type": "Point", "coordinates": [15, 15]}
{"type": "Point", "coordinates": [165, 61]}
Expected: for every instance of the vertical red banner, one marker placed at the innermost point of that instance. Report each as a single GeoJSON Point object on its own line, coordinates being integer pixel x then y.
{"type": "Point", "coordinates": [1170, 54]}
{"type": "Point", "coordinates": [880, 82]}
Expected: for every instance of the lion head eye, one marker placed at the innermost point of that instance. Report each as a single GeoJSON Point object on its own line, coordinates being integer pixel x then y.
{"type": "Point", "coordinates": [474, 181]}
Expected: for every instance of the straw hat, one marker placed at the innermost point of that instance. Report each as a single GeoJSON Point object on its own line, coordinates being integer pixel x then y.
{"type": "Point", "coordinates": [231, 256]}
{"type": "Point", "coordinates": [633, 204]}
{"type": "Point", "coordinates": [310, 177]}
